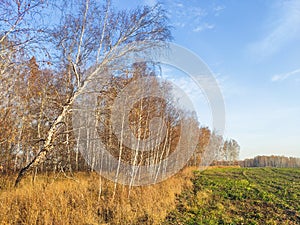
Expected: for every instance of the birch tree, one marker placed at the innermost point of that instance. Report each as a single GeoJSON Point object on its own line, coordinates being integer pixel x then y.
{"type": "Point", "coordinates": [19, 36]}
{"type": "Point", "coordinates": [91, 37]}
{"type": "Point", "coordinates": [230, 151]}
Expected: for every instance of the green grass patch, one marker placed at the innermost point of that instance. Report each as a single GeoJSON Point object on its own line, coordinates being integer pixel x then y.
{"type": "Point", "coordinates": [240, 196]}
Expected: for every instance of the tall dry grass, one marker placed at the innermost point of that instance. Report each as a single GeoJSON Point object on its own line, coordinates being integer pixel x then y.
{"type": "Point", "coordinates": [56, 199]}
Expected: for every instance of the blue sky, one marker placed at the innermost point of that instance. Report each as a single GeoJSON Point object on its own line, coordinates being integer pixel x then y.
{"type": "Point", "coordinates": [253, 49]}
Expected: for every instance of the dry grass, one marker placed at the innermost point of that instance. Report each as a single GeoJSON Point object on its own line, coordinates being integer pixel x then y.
{"type": "Point", "coordinates": [220, 167]}
{"type": "Point", "coordinates": [58, 200]}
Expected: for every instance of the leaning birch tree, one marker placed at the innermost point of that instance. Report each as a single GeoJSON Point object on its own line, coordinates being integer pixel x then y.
{"type": "Point", "coordinates": [92, 35]}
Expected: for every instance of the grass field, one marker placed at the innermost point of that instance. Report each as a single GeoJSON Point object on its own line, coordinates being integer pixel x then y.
{"type": "Point", "coordinates": [214, 196]}
{"type": "Point", "coordinates": [240, 196]}
{"type": "Point", "coordinates": [59, 200]}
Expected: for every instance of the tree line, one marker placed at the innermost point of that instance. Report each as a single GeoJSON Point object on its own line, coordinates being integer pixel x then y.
{"type": "Point", "coordinates": [47, 62]}
{"type": "Point", "coordinates": [261, 161]}
{"type": "Point", "coordinates": [271, 161]}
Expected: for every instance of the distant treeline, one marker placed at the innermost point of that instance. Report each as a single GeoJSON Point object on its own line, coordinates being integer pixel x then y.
{"type": "Point", "coordinates": [271, 161]}
{"type": "Point", "coordinates": [263, 161]}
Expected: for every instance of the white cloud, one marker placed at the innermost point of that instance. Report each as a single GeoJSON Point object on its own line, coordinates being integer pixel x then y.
{"type": "Point", "coordinates": [191, 15]}
{"type": "Point", "coordinates": [203, 27]}
{"type": "Point", "coordinates": [284, 29]}
{"type": "Point", "coordinates": [218, 9]}
{"type": "Point", "coordinates": [178, 24]}
{"type": "Point", "coordinates": [150, 2]}
{"type": "Point", "coordinates": [281, 77]}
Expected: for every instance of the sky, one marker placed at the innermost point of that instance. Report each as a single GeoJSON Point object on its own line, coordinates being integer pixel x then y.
{"type": "Point", "coordinates": [253, 50]}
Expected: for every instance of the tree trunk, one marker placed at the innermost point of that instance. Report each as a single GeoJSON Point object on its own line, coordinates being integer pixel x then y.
{"type": "Point", "coordinates": [33, 164]}
{"type": "Point", "coordinates": [41, 156]}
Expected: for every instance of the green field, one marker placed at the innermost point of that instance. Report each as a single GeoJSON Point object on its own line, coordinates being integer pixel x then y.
{"type": "Point", "coordinates": [240, 196]}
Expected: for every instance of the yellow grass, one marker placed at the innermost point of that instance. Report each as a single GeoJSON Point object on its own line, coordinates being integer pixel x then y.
{"type": "Point", "coordinates": [219, 166]}
{"type": "Point", "coordinates": [59, 200]}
